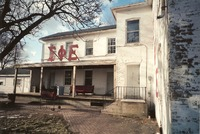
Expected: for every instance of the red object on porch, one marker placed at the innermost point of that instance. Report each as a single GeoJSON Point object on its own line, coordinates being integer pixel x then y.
{"type": "Point", "coordinates": [49, 94]}
{"type": "Point", "coordinates": [82, 89]}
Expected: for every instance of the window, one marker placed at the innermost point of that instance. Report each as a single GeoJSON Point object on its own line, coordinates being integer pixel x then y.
{"type": "Point", "coordinates": [89, 47]}
{"type": "Point", "coordinates": [68, 76]}
{"type": "Point", "coordinates": [132, 31]}
{"type": "Point", "coordinates": [19, 82]}
{"type": "Point", "coordinates": [111, 45]}
{"type": "Point", "coordinates": [67, 48]}
{"type": "Point", "coordinates": [88, 77]}
{"type": "Point", "coordinates": [1, 83]}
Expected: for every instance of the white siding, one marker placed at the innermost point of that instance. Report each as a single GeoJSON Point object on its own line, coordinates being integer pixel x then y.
{"type": "Point", "coordinates": [99, 45]}
{"type": "Point", "coordinates": [8, 85]}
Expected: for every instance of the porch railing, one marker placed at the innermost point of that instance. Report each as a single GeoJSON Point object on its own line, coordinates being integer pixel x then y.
{"type": "Point", "coordinates": [127, 92]}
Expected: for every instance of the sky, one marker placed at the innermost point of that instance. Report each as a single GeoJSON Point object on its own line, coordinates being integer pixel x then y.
{"type": "Point", "coordinates": [33, 48]}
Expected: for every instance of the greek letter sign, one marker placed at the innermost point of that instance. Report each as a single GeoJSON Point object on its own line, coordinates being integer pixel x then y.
{"type": "Point", "coordinates": [61, 54]}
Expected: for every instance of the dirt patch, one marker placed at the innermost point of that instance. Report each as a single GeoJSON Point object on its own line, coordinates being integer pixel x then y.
{"type": "Point", "coordinates": [15, 119]}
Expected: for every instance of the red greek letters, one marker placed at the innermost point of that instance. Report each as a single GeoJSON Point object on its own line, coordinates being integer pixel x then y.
{"type": "Point", "coordinates": [72, 53]}
{"type": "Point", "coordinates": [62, 53]}
{"type": "Point", "coordinates": [52, 50]}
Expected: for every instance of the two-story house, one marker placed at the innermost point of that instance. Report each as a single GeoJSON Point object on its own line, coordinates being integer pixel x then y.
{"type": "Point", "coordinates": [115, 60]}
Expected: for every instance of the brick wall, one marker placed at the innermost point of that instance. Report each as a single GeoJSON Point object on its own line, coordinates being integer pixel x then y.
{"type": "Point", "coordinates": [184, 65]}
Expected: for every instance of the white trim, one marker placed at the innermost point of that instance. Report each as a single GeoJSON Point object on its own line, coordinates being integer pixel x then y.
{"type": "Point", "coordinates": [133, 100]}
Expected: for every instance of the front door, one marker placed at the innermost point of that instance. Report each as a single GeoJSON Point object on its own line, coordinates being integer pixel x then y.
{"type": "Point", "coordinates": [133, 82]}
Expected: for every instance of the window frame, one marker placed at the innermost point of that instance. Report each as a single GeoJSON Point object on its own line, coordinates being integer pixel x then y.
{"type": "Point", "coordinates": [111, 49]}
{"type": "Point", "coordinates": [2, 82]}
{"type": "Point", "coordinates": [67, 44]}
{"type": "Point", "coordinates": [68, 77]}
{"type": "Point", "coordinates": [88, 48]}
{"type": "Point", "coordinates": [133, 31]}
{"type": "Point", "coordinates": [88, 78]}
{"type": "Point", "coordinates": [18, 82]}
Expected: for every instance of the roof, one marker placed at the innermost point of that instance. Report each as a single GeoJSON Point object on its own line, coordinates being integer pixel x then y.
{"type": "Point", "coordinates": [12, 71]}
{"type": "Point", "coordinates": [130, 6]}
{"type": "Point", "coordinates": [70, 33]}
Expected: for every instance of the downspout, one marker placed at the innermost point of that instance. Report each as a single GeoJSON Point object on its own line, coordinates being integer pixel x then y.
{"type": "Point", "coordinates": [146, 63]}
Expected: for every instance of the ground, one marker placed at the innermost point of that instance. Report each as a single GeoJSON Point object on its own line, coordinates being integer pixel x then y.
{"type": "Point", "coordinates": [45, 119]}
{"type": "Point", "coordinates": [25, 119]}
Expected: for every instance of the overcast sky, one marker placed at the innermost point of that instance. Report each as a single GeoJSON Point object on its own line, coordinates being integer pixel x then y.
{"type": "Point", "coordinates": [33, 48]}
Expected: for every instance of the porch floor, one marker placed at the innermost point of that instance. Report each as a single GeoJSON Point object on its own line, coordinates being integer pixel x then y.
{"type": "Point", "coordinates": [69, 97]}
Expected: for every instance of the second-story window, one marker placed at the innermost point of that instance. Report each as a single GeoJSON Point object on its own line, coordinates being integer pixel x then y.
{"type": "Point", "coordinates": [89, 47]}
{"type": "Point", "coordinates": [111, 45]}
{"type": "Point", "coordinates": [132, 31]}
{"type": "Point", "coordinates": [67, 48]}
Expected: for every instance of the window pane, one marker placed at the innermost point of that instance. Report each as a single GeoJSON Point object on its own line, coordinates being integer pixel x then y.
{"type": "Point", "coordinates": [132, 31]}
{"type": "Point", "coordinates": [111, 49]}
{"type": "Point", "coordinates": [89, 47]}
{"type": "Point", "coordinates": [1, 82]}
{"type": "Point", "coordinates": [133, 25]}
{"type": "Point", "coordinates": [132, 37]}
{"type": "Point", "coordinates": [111, 45]}
{"type": "Point", "coordinates": [89, 51]}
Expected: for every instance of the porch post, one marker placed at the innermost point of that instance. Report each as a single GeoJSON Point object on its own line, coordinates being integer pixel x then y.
{"type": "Point", "coordinates": [31, 72]}
{"type": "Point", "coordinates": [41, 79]}
{"type": "Point", "coordinates": [114, 84]}
{"type": "Point", "coordinates": [74, 81]}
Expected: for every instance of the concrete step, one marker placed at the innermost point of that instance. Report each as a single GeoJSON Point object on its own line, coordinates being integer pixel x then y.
{"type": "Point", "coordinates": [126, 109]}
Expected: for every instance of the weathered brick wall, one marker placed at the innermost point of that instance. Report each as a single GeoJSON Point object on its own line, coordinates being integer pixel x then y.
{"type": "Point", "coordinates": [184, 65]}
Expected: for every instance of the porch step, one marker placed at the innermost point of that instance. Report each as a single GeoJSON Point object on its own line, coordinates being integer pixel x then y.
{"type": "Point", "coordinates": [121, 108]}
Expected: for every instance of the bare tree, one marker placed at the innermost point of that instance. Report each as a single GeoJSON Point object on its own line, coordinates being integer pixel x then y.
{"type": "Point", "coordinates": [22, 17]}
{"type": "Point", "coordinates": [14, 56]}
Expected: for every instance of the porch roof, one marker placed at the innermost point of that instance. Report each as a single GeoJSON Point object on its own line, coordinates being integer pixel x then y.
{"type": "Point", "coordinates": [66, 63]}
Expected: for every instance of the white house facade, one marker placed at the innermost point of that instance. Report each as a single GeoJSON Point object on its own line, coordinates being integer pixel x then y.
{"type": "Point", "coordinates": [111, 60]}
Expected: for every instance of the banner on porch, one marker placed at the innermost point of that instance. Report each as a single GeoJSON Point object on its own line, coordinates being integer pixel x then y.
{"type": "Point", "coordinates": [62, 53]}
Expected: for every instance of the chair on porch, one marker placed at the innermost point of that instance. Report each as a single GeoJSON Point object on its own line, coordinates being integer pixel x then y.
{"type": "Point", "coordinates": [49, 94]}
{"type": "Point", "coordinates": [83, 89]}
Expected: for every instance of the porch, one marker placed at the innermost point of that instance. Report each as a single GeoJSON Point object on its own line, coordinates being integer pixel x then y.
{"type": "Point", "coordinates": [82, 101]}
{"type": "Point", "coordinates": [67, 76]}
{"type": "Point", "coordinates": [119, 93]}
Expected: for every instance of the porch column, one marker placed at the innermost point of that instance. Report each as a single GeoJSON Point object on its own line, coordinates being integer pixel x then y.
{"type": "Point", "coordinates": [31, 72]}
{"type": "Point", "coordinates": [114, 84]}
{"type": "Point", "coordinates": [41, 78]}
{"type": "Point", "coordinates": [74, 81]}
